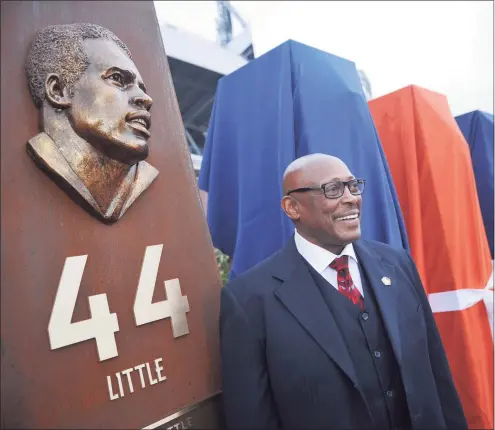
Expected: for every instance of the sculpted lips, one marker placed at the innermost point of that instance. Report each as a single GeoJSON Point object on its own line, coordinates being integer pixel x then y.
{"type": "Point", "coordinates": [139, 121]}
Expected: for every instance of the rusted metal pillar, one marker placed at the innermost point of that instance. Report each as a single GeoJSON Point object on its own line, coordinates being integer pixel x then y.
{"type": "Point", "coordinates": [109, 288]}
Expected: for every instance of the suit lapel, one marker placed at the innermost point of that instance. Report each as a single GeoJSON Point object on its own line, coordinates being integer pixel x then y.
{"type": "Point", "coordinates": [301, 296]}
{"type": "Point", "coordinates": [386, 296]}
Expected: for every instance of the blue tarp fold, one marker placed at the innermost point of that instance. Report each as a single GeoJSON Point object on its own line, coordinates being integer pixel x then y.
{"type": "Point", "coordinates": [477, 128]}
{"type": "Point", "coordinates": [292, 101]}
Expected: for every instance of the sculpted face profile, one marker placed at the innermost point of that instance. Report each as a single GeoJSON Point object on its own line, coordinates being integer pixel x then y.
{"type": "Point", "coordinates": [95, 117]}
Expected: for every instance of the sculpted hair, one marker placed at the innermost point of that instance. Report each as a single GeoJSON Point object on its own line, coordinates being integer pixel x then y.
{"type": "Point", "coordinates": [59, 49]}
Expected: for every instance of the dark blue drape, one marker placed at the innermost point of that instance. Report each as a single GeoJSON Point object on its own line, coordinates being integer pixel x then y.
{"type": "Point", "coordinates": [477, 128]}
{"type": "Point", "coordinates": [292, 101]}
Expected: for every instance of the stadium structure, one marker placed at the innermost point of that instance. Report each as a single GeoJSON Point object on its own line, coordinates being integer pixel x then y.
{"type": "Point", "coordinates": [196, 65]}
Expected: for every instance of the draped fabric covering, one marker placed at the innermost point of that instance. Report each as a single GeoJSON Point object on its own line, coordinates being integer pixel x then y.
{"type": "Point", "coordinates": [293, 101]}
{"type": "Point", "coordinates": [477, 128]}
{"type": "Point", "coordinates": [433, 174]}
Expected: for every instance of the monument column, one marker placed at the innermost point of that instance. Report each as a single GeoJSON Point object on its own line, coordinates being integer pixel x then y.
{"type": "Point", "coordinates": [109, 287]}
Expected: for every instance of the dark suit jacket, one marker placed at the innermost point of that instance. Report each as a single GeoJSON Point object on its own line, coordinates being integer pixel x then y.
{"type": "Point", "coordinates": [285, 363]}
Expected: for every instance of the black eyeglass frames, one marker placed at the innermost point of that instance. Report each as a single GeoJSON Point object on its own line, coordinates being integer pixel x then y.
{"type": "Point", "coordinates": [335, 189]}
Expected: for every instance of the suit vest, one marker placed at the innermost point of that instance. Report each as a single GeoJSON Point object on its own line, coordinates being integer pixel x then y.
{"type": "Point", "coordinates": [371, 353]}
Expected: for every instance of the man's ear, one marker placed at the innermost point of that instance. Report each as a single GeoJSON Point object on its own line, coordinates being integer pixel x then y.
{"type": "Point", "coordinates": [290, 207]}
{"type": "Point", "coordinates": [56, 94]}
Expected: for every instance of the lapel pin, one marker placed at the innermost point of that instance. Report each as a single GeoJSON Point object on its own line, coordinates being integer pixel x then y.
{"type": "Point", "coordinates": [386, 281]}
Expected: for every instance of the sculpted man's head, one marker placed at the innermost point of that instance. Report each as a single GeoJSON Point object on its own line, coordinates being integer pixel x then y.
{"type": "Point", "coordinates": [323, 210]}
{"type": "Point", "coordinates": [95, 117]}
{"type": "Point", "coordinates": [82, 78]}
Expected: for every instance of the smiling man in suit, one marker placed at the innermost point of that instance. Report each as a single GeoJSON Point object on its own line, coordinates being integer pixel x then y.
{"type": "Point", "coordinates": [332, 332]}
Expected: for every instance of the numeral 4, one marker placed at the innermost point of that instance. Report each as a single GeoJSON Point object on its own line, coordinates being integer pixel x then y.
{"type": "Point", "coordinates": [101, 326]}
{"type": "Point", "coordinates": [175, 307]}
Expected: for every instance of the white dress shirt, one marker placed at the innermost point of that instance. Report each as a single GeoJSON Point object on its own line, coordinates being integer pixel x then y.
{"type": "Point", "coordinates": [320, 259]}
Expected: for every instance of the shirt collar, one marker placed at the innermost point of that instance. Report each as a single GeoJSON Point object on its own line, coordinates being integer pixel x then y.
{"type": "Point", "coordinates": [318, 257]}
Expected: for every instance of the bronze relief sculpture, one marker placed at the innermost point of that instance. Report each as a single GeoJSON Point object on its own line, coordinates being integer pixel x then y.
{"type": "Point", "coordinates": [95, 117]}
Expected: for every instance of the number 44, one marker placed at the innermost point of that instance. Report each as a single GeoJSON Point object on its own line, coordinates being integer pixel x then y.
{"type": "Point", "coordinates": [102, 325]}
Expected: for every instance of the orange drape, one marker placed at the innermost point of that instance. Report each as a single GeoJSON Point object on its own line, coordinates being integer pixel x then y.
{"type": "Point", "coordinates": [433, 175]}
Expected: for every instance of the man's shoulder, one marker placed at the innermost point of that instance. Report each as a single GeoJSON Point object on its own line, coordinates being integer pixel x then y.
{"type": "Point", "coordinates": [387, 253]}
{"type": "Point", "coordinates": [382, 249]}
{"type": "Point", "coordinates": [44, 151]}
{"type": "Point", "coordinates": [49, 158]}
{"type": "Point", "coordinates": [259, 279]}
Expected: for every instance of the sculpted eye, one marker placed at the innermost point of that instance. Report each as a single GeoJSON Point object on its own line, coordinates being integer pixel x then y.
{"type": "Point", "coordinates": [118, 78]}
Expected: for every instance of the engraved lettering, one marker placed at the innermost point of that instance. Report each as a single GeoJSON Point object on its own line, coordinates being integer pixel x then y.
{"type": "Point", "coordinates": [155, 365]}
{"type": "Point", "coordinates": [110, 389]}
{"type": "Point", "coordinates": [139, 368]}
{"type": "Point", "coordinates": [158, 369]}
{"type": "Point", "coordinates": [152, 381]}
{"type": "Point", "coordinates": [127, 373]}
{"type": "Point", "coordinates": [119, 381]}
{"type": "Point", "coordinates": [183, 424]}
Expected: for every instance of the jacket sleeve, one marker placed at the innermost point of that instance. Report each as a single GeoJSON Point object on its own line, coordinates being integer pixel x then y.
{"type": "Point", "coordinates": [247, 398]}
{"type": "Point", "coordinates": [449, 399]}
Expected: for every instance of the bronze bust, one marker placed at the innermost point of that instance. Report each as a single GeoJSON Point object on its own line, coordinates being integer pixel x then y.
{"type": "Point", "coordinates": [95, 117]}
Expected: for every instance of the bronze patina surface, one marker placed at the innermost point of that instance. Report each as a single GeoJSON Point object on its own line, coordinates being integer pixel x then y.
{"type": "Point", "coordinates": [94, 112]}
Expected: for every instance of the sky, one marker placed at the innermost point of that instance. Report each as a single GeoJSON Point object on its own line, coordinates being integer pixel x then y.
{"type": "Point", "coordinates": [444, 46]}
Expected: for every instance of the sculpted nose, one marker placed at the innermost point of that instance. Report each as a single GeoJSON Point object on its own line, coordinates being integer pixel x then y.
{"type": "Point", "coordinates": [144, 101]}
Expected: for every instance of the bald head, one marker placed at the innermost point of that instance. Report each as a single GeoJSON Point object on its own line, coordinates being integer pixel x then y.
{"type": "Point", "coordinates": [329, 222]}
{"type": "Point", "coordinates": [313, 170]}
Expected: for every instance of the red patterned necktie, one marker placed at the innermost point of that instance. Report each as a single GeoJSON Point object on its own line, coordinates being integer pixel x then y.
{"type": "Point", "coordinates": [344, 281]}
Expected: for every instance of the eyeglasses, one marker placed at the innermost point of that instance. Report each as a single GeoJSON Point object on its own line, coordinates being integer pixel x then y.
{"type": "Point", "coordinates": [335, 189]}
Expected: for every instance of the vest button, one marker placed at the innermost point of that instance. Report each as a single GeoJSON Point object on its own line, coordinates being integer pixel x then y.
{"type": "Point", "coordinates": [389, 393]}
{"type": "Point", "coordinates": [365, 316]}
{"type": "Point", "coordinates": [378, 354]}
